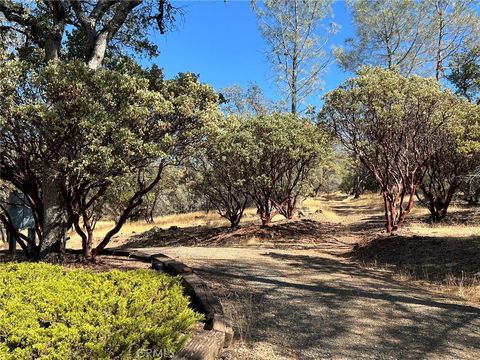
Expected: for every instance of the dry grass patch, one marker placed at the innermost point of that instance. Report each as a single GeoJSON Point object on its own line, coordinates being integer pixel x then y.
{"type": "Point", "coordinates": [445, 264]}
{"type": "Point", "coordinates": [466, 287]}
{"type": "Point", "coordinates": [186, 220]}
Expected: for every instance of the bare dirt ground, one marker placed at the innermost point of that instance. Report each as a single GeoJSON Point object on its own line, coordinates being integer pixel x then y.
{"type": "Point", "coordinates": [333, 286]}
{"type": "Point", "coordinates": [304, 304]}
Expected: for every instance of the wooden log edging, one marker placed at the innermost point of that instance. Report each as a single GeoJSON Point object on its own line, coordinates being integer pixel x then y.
{"type": "Point", "coordinates": [218, 330]}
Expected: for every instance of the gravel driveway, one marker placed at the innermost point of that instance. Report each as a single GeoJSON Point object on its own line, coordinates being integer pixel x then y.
{"type": "Point", "coordinates": [306, 304]}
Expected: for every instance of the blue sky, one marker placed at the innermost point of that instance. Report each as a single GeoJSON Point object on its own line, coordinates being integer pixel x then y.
{"type": "Point", "coordinates": [221, 42]}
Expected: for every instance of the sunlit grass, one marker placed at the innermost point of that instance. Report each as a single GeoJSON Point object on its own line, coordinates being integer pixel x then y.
{"type": "Point", "coordinates": [354, 211]}
{"type": "Point", "coordinates": [184, 220]}
{"type": "Point", "coordinates": [330, 208]}
{"type": "Point", "coordinates": [326, 214]}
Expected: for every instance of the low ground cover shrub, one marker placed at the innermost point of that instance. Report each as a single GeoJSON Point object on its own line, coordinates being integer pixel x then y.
{"type": "Point", "coordinates": [49, 312]}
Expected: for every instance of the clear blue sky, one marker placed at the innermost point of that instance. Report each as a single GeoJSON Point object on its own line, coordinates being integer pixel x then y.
{"type": "Point", "coordinates": [221, 42]}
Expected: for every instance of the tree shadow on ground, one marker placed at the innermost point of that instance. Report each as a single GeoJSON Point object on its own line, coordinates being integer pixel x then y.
{"type": "Point", "coordinates": [427, 258]}
{"type": "Point", "coordinates": [75, 260]}
{"type": "Point", "coordinates": [294, 234]}
{"type": "Point", "coordinates": [6, 256]}
{"type": "Point", "coordinates": [373, 317]}
{"type": "Point", "coordinates": [461, 215]}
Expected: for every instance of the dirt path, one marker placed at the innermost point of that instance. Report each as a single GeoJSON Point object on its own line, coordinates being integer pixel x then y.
{"type": "Point", "coordinates": [306, 304]}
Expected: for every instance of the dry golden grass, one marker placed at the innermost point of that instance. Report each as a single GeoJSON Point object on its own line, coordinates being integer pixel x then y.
{"type": "Point", "coordinates": [462, 224]}
{"type": "Point", "coordinates": [326, 214]}
{"type": "Point", "coordinates": [460, 230]}
{"type": "Point", "coordinates": [464, 287]}
{"type": "Point", "coordinates": [354, 211]}
{"type": "Point", "coordinates": [344, 209]}
{"type": "Point", "coordinates": [465, 228]}
{"type": "Point", "coordinates": [335, 208]}
{"type": "Point", "coordinates": [198, 218]}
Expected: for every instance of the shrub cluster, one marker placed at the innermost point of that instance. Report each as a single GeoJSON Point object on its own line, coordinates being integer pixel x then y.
{"type": "Point", "coordinates": [48, 312]}
{"type": "Point", "coordinates": [264, 160]}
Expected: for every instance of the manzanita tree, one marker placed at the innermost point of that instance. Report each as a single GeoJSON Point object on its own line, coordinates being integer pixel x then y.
{"type": "Point", "coordinates": [393, 125]}
{"type": "Point", "coordinates": [451, 164]}
{"type": "Point", "coordinates": [288, 148]}
{"type": "Point", "coordinates": [222, 169]}
{"type": "Point", "coordinates": [40, 32]}
{"type": "Point", "coordinates": [90, 131]}
{"type": "Point", "coordinates": [265, 160]}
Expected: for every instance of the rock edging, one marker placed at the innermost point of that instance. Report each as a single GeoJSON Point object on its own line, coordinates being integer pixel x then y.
{"type": "Point", "coordinates": [218, 330]}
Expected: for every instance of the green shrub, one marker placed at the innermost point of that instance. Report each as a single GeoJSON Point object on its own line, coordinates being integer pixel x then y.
{"type": "Point", "coordinates": [48, 312]}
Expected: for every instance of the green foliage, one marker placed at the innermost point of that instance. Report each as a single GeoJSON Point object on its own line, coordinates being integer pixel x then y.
{"type": "Point", "coordinates": [465, 74]}
{"type": "Point", "coordinates": [395, 125]}
{"type": "Point", "coordinates": [416, 37]}
{"type": "Point", "coordinates": [265, 159]}
{"type": "Point", "coordinates": [174, 193]}
{"type": "Point", "coordinates": [327, 177]}
{"type": "Point", "coordinates": [91, 124]}
{"type": "Point", "coordinates": [288, 149]}
{"type": "Point", "coordinates": [48, 312]}
{"type": "Point", "coordinates": [381, 109]}
{"type": "Point", "coordinates": [97, 133]}
{"type": "Point", "coordinates": [379, 25]}
{"type": "Point", "coordinates": [280, 142]}
{"type": "Point", "coordinates": [249, 101]}
{"type": "Point", "coordinates": [357, 178]}
{"type": "Point", "coordinates": [223, 168]}
{"type": "Point", "coordinates": [26, 26]}
{"type": "Point", "coordinates": [296, 33]}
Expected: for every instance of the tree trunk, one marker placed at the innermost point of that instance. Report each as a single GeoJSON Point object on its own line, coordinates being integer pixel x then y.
{"type": "Point", "coordinates": [439, 209]}
{"type": "Point", "coordinates": [88, 247]}
{"type": "Point", "coordinates": [55, 219]}
{"type": "Point", "coordinates": [405, 212]}
{"type": "Point", "coordinates": [389, 207]}
{"type": "Point", "coordinates": [55, 213]}
{"type": "Point", "coordinates": [98, 51]}
{"type": "Point", "coordinates": [294, 102]}
{"type": "Point", "coordinates": [266, 219]}
{"type": "Point", "coordinates": [234, 221]}
{"type": "Point", "coordinates": [438, 201]}
{"type": "Point", "coordinates": [135, 201]}
{"type": "Point", "coordinates": [438, 58]}
{"type": "Point", "coordinates": [291, 209]}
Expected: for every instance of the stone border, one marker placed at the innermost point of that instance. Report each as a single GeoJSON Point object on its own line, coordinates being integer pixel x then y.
{"type": "Point", "coordinates": [218, 330]}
